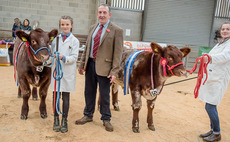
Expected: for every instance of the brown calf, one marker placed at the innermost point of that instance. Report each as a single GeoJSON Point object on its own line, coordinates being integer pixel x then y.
{"type": "Point", "coordinates": [29, 66]}
{"type": "Point", "coordinates": [140, 79]}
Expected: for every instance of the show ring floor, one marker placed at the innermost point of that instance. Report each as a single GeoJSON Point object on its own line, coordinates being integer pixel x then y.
{"type": "Point", "coordinates": [178, 116]}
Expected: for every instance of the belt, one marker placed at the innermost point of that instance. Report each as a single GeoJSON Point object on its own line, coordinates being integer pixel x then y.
{"type": "Point", "coordinates": [93, 59]}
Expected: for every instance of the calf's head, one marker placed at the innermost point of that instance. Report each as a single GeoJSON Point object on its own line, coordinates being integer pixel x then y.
{"type": "Point", "coordinates": [39, 41]}
{"type": "Point", "coordinates": [173, 57]}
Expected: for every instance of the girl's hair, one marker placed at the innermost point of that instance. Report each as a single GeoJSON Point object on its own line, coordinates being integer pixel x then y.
{"type": "Point", "coordinates": [27, 21]}
{"type": "Point", "coordinates": [66, 18]}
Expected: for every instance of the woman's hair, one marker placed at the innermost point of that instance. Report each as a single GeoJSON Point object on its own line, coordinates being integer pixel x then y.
{"type": "Point", "coordinates": [66, 18]}
{"type": "Point", "coordinates": [27, 21]}
{"type": "Point", "coordinates": [227, 22]}
{"type": "Point", "coordinates": [17, 21]}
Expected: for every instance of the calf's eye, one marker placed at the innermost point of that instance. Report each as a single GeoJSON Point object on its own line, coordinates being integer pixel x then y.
{"type": "Point", "coordinates": [33, 42]}
{"type": "Point", "coordinates": [170, 58]}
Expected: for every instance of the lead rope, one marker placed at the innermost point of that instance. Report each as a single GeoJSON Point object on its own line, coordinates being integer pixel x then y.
{"type": "Point", "coordinates": [202, 70]}
{"type": "Point", "coordinates": [57, 75]}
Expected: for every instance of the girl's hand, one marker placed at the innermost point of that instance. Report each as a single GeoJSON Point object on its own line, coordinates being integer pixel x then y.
{"type": "Point", "coordinates": [60, 56]}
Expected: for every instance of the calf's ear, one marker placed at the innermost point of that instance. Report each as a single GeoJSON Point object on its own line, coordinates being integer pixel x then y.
{"type": "Point", "coordinates": [22, 35]}
{"type": "Point", "coordinates": [185, 51]}
{"type": "Point", "coordinates": [52, 34]}
{"type": "Point", "coordinates": [156, 48]}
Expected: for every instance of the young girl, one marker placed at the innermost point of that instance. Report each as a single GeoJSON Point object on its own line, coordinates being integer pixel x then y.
{"type": "Point", "coordinates": [68, 49]}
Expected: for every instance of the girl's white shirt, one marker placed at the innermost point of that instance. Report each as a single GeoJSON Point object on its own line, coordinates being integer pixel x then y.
{"type": "Point", "coordinates": [70, 49]}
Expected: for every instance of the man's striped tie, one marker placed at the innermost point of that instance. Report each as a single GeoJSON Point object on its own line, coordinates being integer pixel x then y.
{"type": "Point", "coordinates": [97, 41]}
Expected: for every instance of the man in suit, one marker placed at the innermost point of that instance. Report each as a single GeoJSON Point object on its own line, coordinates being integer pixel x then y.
{"type": "Point", "coordinates": [101, 61]}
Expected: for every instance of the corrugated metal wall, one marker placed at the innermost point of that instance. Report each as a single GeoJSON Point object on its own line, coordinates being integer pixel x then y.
{"type": "Point", "coordinates": [222, 9]}
{"type": "Point", "coordinates": [127, 4]}
{"type": "Point", "coordinates": [186, 22]}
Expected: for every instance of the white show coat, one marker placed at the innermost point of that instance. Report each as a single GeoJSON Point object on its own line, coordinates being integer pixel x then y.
{"type": "Point", "coordinates": [69, 48]}
{"type": "Point", "coordinates": [218, 75]}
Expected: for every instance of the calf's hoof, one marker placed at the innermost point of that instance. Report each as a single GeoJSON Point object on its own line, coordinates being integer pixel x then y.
{"type": "Point", "coordinates": [19, 96]}
{"type": "Point", "coordinates": [116, 108]}
{"type": "Point", "coordinates": [35, 99]}
{"type": "Point", "coordinates": [136, 130]}
{"type": "Point", "coordinates": [152, 128]}
{"type": "Point", "coordinates": [43, 116]}
{"type": "Point", "coordinates": [23, 117]}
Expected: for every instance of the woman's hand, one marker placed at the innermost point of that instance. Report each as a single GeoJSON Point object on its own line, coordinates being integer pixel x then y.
{"type": "Point", "coordinates": [206, 59]}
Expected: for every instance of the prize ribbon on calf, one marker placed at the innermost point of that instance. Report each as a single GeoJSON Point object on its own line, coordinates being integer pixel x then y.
{"type": "Point", "coordinates": [15, 63]}
{"type": "Point", "coordinates": [128, 68]}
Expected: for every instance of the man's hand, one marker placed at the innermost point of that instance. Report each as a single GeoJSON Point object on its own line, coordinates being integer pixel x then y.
{"type": "Point", "coordinates": [81, 71]}
{"type": "Point", "coordinates": [112, 78]}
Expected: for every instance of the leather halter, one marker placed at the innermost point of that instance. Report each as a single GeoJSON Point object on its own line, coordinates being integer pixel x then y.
{"type": "Point", "coordinates": [35, 52]}
{"type": "Point", "coordinates": [164, 64]}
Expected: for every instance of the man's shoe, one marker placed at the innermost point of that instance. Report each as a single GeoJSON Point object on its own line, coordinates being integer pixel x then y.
{"type": "Point", "coordinates": [56, 126]}
{"type": "Point", "coordinates": [213, 137]}
{"type": "Point", "coordinates": [108, 126]}
{"type": "Point", "coordinates": [83, 120]}
{"type": "Point", "coordinates": [206, 134]}
{"type": "Point", "coordinates": [64, 125]}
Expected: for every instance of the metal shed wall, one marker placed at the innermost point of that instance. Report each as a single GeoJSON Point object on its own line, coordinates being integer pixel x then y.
{"type": "Point", "coordinates": [186, 22]}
